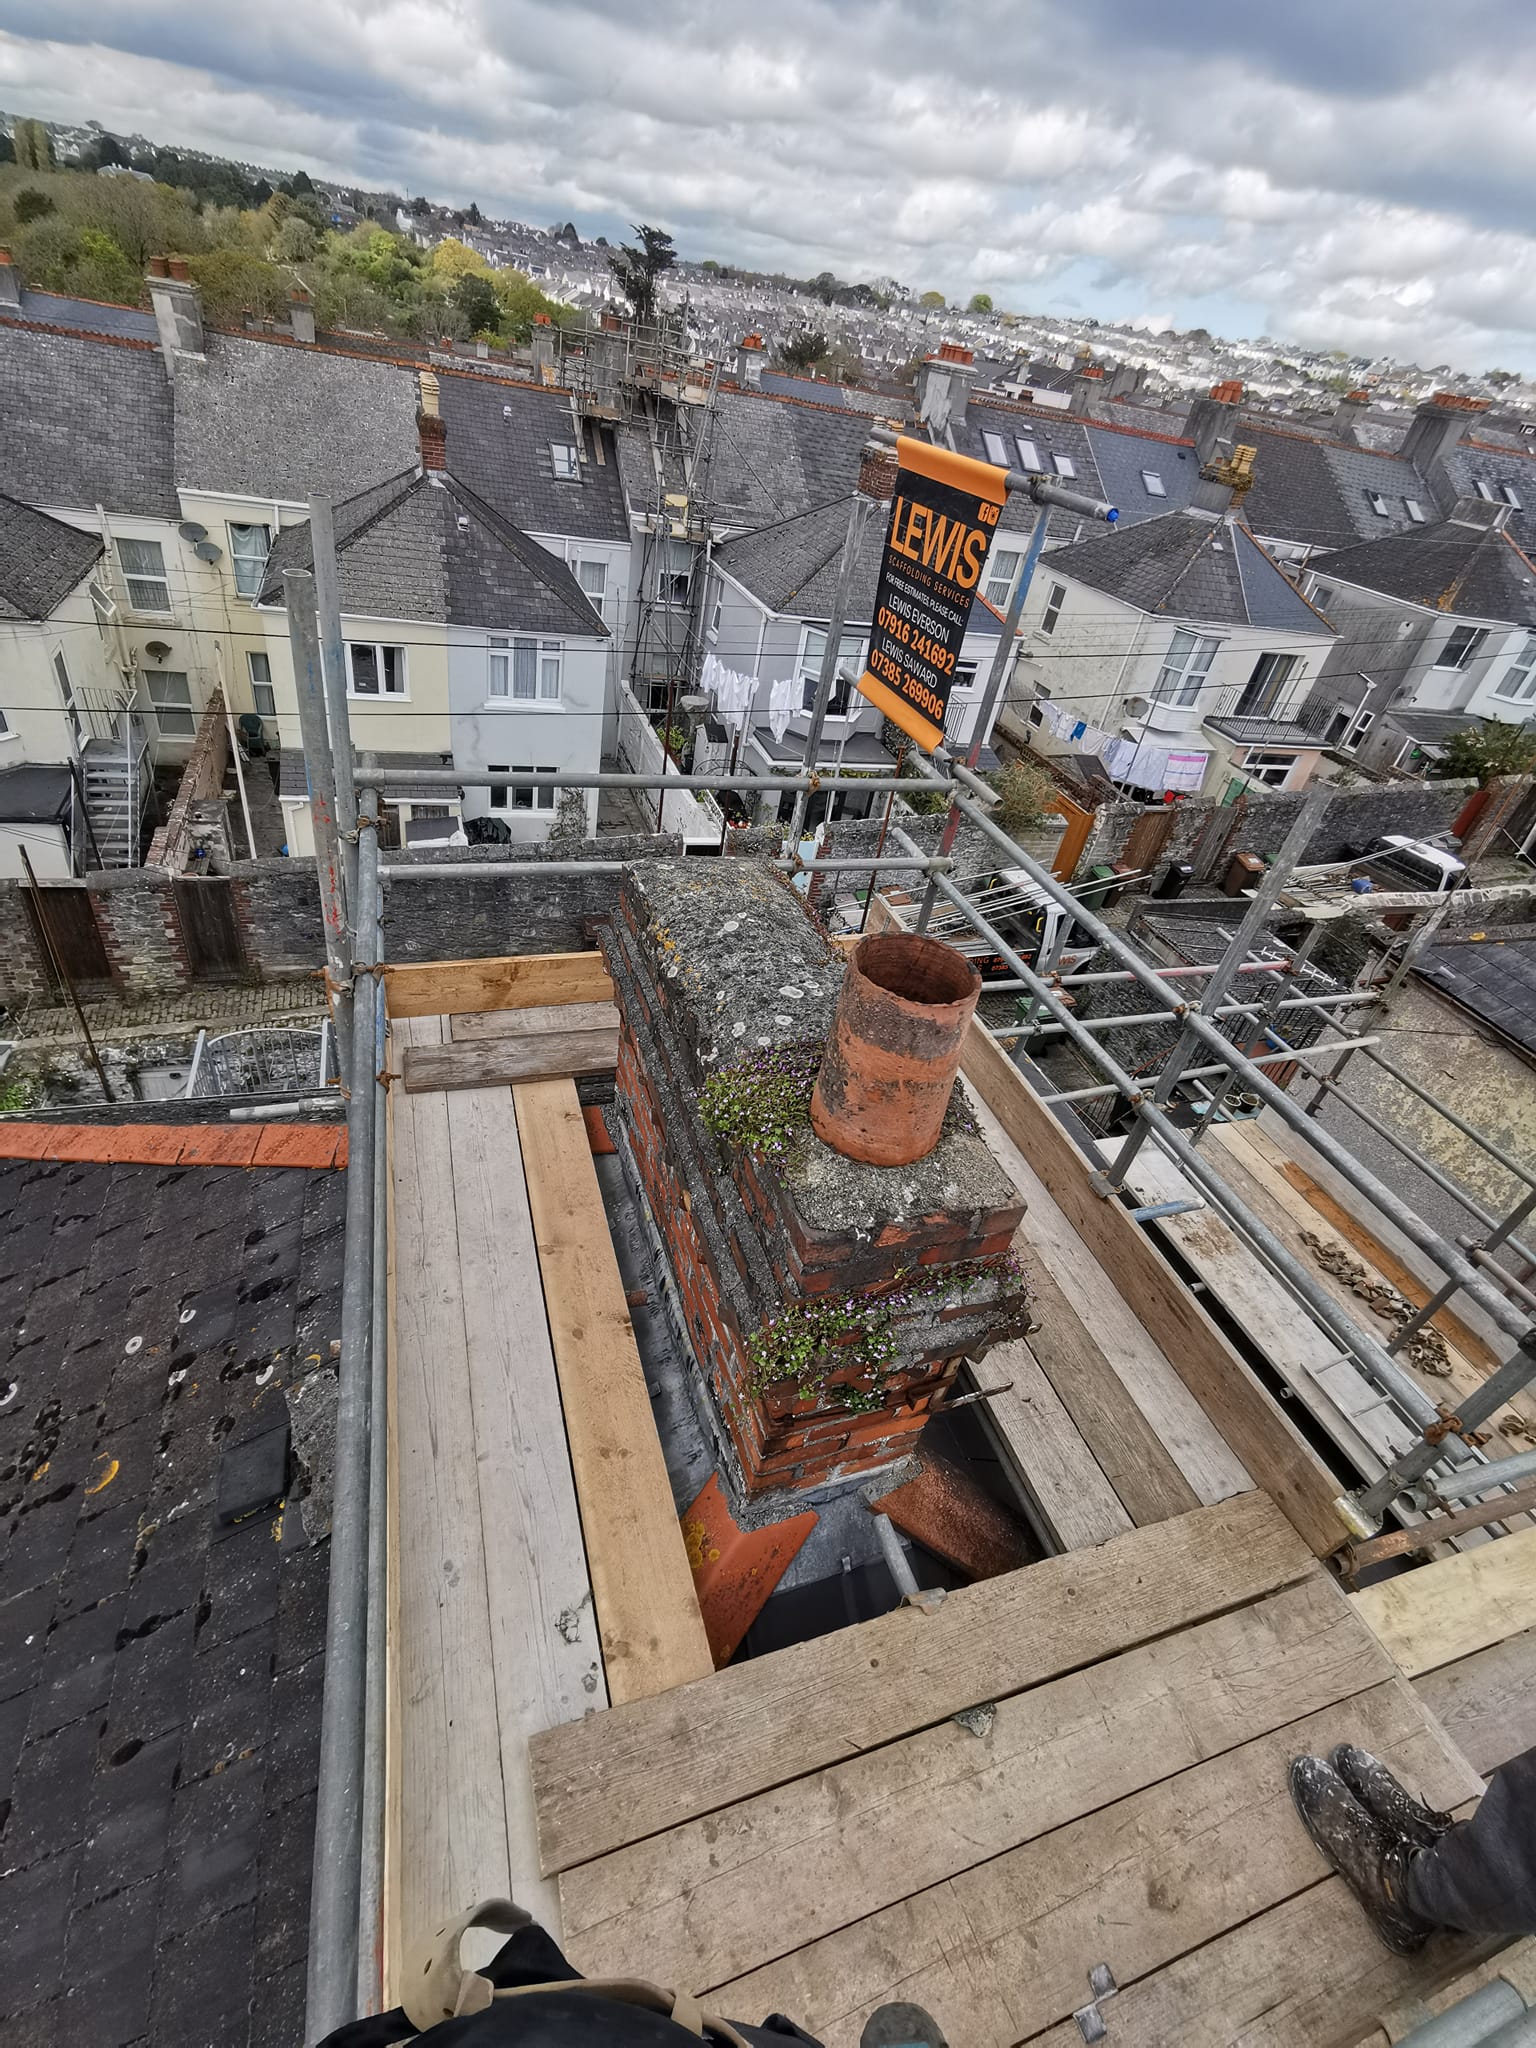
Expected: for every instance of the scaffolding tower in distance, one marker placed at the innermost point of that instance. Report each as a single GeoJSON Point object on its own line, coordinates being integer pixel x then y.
{"type": "Point", "coordinates": [640, 376]}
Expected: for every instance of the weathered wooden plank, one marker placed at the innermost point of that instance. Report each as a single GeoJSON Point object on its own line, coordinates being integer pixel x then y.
{"type": "Point", "coordinates": [1115, 1380]}
{"type": "Point", "coordinates": [477, 1024]}
{"type": "Point", "coordinates": [543, 1640]}
{"type": "Point", "coordinates": [1456, 1606]}
{"type": "Point", "coordinates": [1269, 1446]}
{"type": "Point", "coordinates": [630, 1773]}
{"type": "Point", "coordinates": [1307, 1974]}
{"type": "Point", "coordinates": [647, 1610]}
{"type": "Point", "coordinates": [1487, 1702]}
{"type": "Point", "coordinates": [834, 1847]}
{"type": "Point", "coordinates": [503, 1062]}
{"type": "Point", "coordinates": [453, 1830]}
{"type": "Point", "coordinates": [435, 988]}
{"type": "Point", "coordinates": [1137, 1884]}
{"type": "Point", "coordinates": [1327, 1383]}
{"type": "Point", "coordinates": [1046, 1453]}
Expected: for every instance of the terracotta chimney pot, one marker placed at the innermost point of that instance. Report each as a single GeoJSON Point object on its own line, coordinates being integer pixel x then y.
{"type": "Point", "coordinates": [889, 1068]}
{"type": "Point", "coordinates": [179, 270]}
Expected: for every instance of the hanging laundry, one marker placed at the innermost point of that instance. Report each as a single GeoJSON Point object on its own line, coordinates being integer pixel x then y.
{"type": "Point", "coordinates": [783, 703]}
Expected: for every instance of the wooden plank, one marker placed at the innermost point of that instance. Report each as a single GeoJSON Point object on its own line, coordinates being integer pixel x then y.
{"type": "Point", "coordinates": [453, 1829]}
{"type": "Point", "coordinates": [543, 1641]}
{"type": "Point", "coordinates": [1142, 1421]}
{"type": "Point", "coordinates": [1134, 1458]}
{"type": "Point", "coordinates": [502, 1062]}
{"type": "Point", "coordinates": [1002, 1951]}
{"type": "Point", "coordinates": [1266, 1441]}
{"type": "Point", "coordinates": [624, 1775]}
{"type": "Point", "coordinates": [1307, 1974]}
{"type": "Point", "coordinates": [537, 1017]}
{"type": "Point", "coordinates": [841, 1844]}
{"type": "Point", "coordinates": [647, 1611]}
{"type": "Point", "coordinates": [1313, 1196]}
{"type": "Point", "coordinates": [434, 988]}
{"type": "Point", "coordinates": [1323, 1378]}
{"type": "Point", "coordinates": [1046, 1455]}
{"type": "Point", "coordinates": [1487, 1702]}
{"type": "Point", "coordinates": [1455, 1606]}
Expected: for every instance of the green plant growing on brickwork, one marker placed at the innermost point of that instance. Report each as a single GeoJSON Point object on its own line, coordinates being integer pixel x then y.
{"type": "Point", "coordinates": [765, 1105]}
{"type": "Point", "coordinates": [814, 1339]}
{"type": "Point", "coordinates": [17, 1094]}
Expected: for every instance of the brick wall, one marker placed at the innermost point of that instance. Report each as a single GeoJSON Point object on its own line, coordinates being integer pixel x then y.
{"type": "Point", "coordinates": [708, 963]}
{"type": "Point", "coordinates": [201, 779]}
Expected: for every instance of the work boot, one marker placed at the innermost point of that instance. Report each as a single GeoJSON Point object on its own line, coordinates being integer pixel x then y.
{"type": "Point", "coordinates": [901, 2026]}
{"type": "Point", "coordinates": [1372, 1860]}
{"type": "Point", "coordinates": [1388, 1799]}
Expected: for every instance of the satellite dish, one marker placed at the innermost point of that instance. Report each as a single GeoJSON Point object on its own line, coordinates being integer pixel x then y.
{"type": "Point", "coordinates": [190, 530]}
{"type": "Point", "coordinates": [205, 551]}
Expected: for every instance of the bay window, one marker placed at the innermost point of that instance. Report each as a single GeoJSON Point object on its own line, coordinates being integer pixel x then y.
{"type": "Point", "coordinates": [1185, 667]}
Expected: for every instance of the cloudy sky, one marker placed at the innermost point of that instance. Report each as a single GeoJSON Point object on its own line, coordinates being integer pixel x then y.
{"type": "Point", "coordinates": [1346, 175]}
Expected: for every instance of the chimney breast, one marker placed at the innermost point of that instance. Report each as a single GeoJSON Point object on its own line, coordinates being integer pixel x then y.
{"type": "Point", "coordinates": [1087, 385]}
{"type": "Point", "coordinates": [1211, 419]}
{"type": "Point", "coordinates": [10, 280]}
{"type": "Point", "coordinates": [301, 315]}
{"type": "Point", "coordinates": [944, 386]}
{"type": "Point", "coordinates": [749, 359]}
{"type": "Point", "coordinates": [1438, 424]}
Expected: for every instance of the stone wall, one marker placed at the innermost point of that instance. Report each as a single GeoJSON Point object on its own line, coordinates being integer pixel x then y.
{"type": "Point", "coordinates": [276, 909]}
{"type": "Point", "coordinates": [1208, 835]}
{"type": "Point", "coordinates": [713, 969]}
{"type": "Point", "coordinates": [202, 779]}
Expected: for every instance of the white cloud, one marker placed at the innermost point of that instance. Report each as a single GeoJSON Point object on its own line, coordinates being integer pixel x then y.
{"type": "Point", "coordinates": [1348, 189]}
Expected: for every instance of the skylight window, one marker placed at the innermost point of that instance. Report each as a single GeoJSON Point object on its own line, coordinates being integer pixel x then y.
{"type": "Point", "coordinates": [1511, 496]}
{"type": "Point", "coordinates": [567, 462]}
{"type": "Point", "coordinates": [1152, 483]}
{"type": "Point", "coordinates": [1378, 504]}
{"type": "Point", "coordinates": [1414, 510]}
{"type": "Point", "coordinates": [1029, 455]}
{"type": "Point", "coordinates": [1483, 488]}
{"type": "Point", "coordinates": [997, 449]}
{"type": "Point", "coordinates": [1065, 466]}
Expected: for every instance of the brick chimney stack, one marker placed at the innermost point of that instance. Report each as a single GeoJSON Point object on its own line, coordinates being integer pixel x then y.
{"type": "Point", "coordinates": [431, 427]}
{"type": "Point", "coordinates": [1224, 482]}
{"type": "Point", "coordinates": [178, 308]}
{"type": "Point", "coordinates": [1088, 387]}
{"type": "Point", "coordinates": [1211, 420]}
{"type": "Point", "coordinates": [10, 280]}
{"type": "Point", "coordinates": [877, 472]}
{"type": "Point", "coordinates": [542, 345]}
{"type": "Point", "coordinates": [1349, 409]}
{"type": "Point", "coordinates": [1438, 425]}
{"type": "Point", "coordinates": [301, 314]}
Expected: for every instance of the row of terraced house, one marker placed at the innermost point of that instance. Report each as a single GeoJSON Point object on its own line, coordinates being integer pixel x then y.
{"type": "Point", "coordinates": [537, 558]}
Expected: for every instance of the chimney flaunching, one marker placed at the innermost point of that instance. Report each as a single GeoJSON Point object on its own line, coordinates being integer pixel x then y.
{"type": "Point", "coordinates": [10, 280]}
{"type": "Point", "coordinates": [178, 308]}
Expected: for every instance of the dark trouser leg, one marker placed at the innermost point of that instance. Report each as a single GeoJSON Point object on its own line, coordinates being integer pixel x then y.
{"type": "Point", "coordinates": [1481, 1877]}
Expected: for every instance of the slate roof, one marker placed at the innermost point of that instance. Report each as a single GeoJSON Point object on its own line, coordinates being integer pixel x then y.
{"type": "Point", "coordinates": [1187, 566]}
{"type": "Point", "coordinates": [85, 316]}
{"type": "Point", "coordinates": [1053, 434]}
{"type": "Point", "coordinates": [34, 793]}
{"type": "Point", "coordinates": [41, 560]}
{"type": "Point", "coordinates": [160, 1674]}
{"type": "Point", "coordinates": [1493, 978]}
{"type": "Point", "coordinates": [1120, 459]}
{"type": "Point", "coordinates": [779, 384]}
{"type": "Point", "coordinates": [293, 780]}
{"type": "Point", "coordinates": [499, 438]}
{"type": "Point", "coordinates": [793, 566]}
{"type": "Point", "coordinates": [424, 546]}
{"type": "Point", "coordinates": [1468, 570]}
{"type": "Point", "coordinates": [260, 419]}
{"type": "Point", "coordinates": [769, 459]}
{"type": "Point", "coordinates": [85, 423]}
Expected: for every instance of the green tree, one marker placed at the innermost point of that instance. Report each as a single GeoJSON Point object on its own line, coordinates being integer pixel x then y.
{"type": "Point", "coordinates": [639, 269]}
{"type": "Point", "coordinates": [453, 259]}
{"type": "Point", "coordinates": [478, 303]}
{"type": "Point", "coordinates": [294, 242]}
{"type": "Point", "coordinates": [935, 301]}
{"type": "Point", "coordinates": [805, 350]}
{"type": "Point", "coordinates": [981, 302]}
{"type": "Point", "coordinates": [31, 205]}
{"type": "Point", "coordinates": [85, 263]}
{"type": "Point", "coordinates": [1025, 792]}
{"type": "Point", "coordinates": [237, 281]}
{"type": "Point", "coordinates": [1499, 748]}
{"type": "Point", "coordinates": [1501, 379]}
{"type": "Point", "coordinates": [300, 182]}
{"type": "Point", "coordinates": [388, 262]}
{"type": "Point", "coordinates": [522, 302]}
